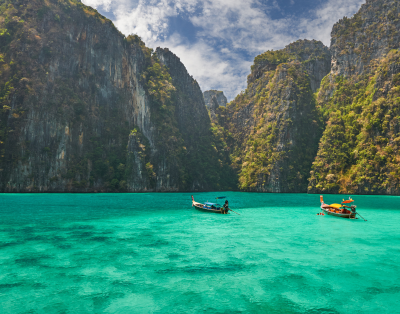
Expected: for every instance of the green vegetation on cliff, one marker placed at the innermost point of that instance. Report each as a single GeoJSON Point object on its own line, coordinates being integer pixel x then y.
{"type": "Point", "coordinates": [272, 57]}
{"type": "Point", "coordinates": [359, 102]}
{"type": "Point", "coordinates": [158, 84]}
{"type": "Point", "coordinates": [358, 42]}
{"type": "Point", "coordinates": [29, 88]}
{"type": "Point", "coordinates": [84, 108]}
{"type": "Point", "coordinates": [279, 144]}
{"type": "Point", "coordinates": [273, 128]}
{"type": "Point", "coordinates": [359, 151]}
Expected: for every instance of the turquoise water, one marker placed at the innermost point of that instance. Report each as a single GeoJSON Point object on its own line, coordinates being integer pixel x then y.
{"type": "Point", "coordinates": [153, 253]}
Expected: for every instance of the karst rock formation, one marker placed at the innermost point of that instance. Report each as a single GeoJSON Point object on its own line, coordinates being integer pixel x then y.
{"type": "Point", "coordinates": [84, 108]}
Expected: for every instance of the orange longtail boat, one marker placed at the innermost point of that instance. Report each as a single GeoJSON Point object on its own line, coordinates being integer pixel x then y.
{"type": "Point", "coordinates": [339, 210]}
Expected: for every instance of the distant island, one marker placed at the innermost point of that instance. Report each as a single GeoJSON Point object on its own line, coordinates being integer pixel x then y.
{"type": "Point", "coordinates": [84, 108]}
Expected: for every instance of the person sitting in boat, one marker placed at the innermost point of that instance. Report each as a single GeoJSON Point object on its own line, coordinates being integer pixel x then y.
{"type": "Point", "coordinates": [225, 208]}
{"type": "Point", "coordinates": [344, 210]}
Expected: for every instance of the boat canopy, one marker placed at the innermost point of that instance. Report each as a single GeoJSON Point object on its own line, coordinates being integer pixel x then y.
{"type": "Point", "coordinates": [335, 205]}
{"type": "Point", "coordinates": [347, 201]}
{"type": "Point", "coordinates": [210, 204]}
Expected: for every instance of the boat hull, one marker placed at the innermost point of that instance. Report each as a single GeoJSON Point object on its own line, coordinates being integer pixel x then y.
{"type": "Point", "coordinates": [206, 210]}
{"type": "Point", "coordinates": [350, 215]}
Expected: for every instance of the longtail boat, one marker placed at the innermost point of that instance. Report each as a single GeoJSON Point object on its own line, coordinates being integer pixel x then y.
{"type": "Point", "coordinates": [208, 207]}
{"type": "Point", "coordinates": [339, 210]}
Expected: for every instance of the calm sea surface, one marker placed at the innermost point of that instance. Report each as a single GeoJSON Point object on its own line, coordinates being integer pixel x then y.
{"type": "Point", "coordinates": [154, 253]}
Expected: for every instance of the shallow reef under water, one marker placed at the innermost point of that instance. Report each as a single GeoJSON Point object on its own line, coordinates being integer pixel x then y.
{"type": "Point", "coordinates": [154, 253]}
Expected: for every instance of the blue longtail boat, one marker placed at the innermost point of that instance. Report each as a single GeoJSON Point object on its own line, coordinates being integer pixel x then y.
{"type": "Point", "coordinates": [209, 207]}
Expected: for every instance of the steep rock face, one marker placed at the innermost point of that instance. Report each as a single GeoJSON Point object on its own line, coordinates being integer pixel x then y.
{"type": "Point", "coordinates": [74, 80]}
{"type": "Point", "coordinates": [217, 95]}
{"type": "Point", "coordinates": [274, 124]}
{"type": "Point", "coordinates": [206, 167]}
{"type": "Point", "coordinates": [314, 55]}
{"type": "Point", "coordinates": [85, 109]}
{"type": "Point", "coordinates": [370, 34]}
{"type": "Point", "coordinates": [189, 107]}
{"type": "Point", "coordinates": [359, 152]}
{"type": "Point", "coordinates": [316, 59]}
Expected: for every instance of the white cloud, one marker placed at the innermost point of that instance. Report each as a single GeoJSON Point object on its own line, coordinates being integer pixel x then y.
{"type": "Point", "coordinates": [213, 70]}
{"type": "Point", "coordinates": [105, 4]}
{"type": "Point", "coordinates": [251, 29]}
{"type": "Point", "coordinates": [227, 30]}
{"type": "Point", "coordinates": [148, 21]}
{"type": "Point", "coordinates": [320, 25]}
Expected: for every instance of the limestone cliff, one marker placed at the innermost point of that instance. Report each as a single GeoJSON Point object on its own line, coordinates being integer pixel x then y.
{"type": "Point", "coordinates": [359, 151]}
{"type": "Point", "coordinates": [84, 108]}
{"type": "Point", "coordinates": [315, 57]}
{"type": "Point", "coordinates": [370, 34]}
{"type": "Point", "coordinates": [273, 127]}
{"type": "Point", "coordinates": [205, 158]}
{"type": "Point", "coordinates": [214, 97]}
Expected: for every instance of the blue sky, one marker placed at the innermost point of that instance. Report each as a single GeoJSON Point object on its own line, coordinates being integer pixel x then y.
{"type": "Point", "coordinates": [217, 40]}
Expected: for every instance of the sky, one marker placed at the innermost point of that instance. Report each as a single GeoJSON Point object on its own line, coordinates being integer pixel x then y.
{"type": "Point", "coordinates": [217, 40]}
